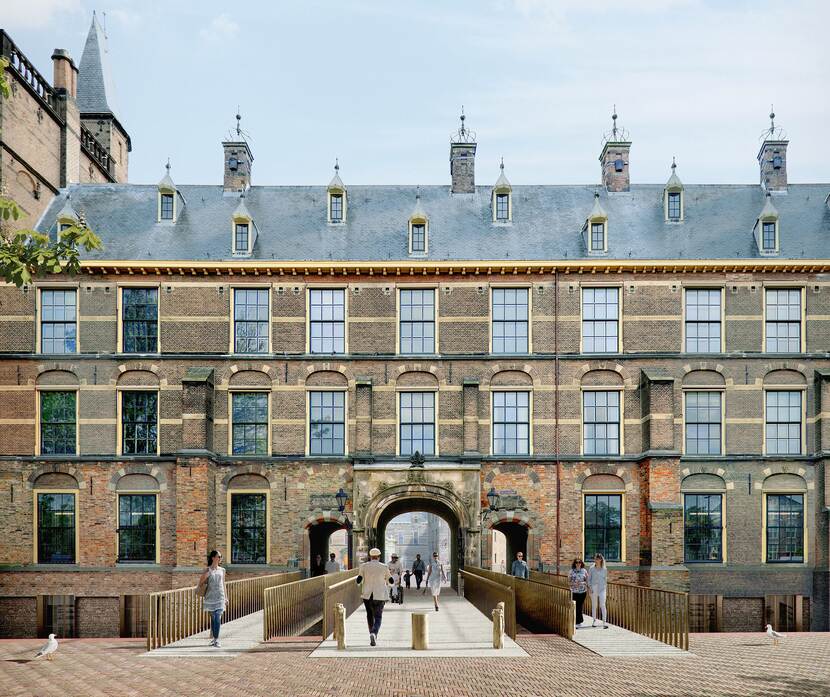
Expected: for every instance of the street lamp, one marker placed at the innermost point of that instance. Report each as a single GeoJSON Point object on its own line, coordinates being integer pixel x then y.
{"type": "Point", "coordinates": [341, 497]}
{"type": "Point", "coordinates": [493, 497]}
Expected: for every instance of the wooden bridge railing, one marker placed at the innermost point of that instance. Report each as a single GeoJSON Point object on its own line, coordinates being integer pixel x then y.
{"type": "Point", "coordinates": [344, 591]}
{"type": "Point", "coordinates": [179, 613]}
{"type": "Point", "coordinates": [486, 593]}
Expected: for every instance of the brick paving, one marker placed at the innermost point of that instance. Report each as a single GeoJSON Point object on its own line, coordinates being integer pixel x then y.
{"type": "Point", "coordinates": [743, 665]}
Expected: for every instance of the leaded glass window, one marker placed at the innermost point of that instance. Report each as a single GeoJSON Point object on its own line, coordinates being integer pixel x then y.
{"type": "Point", "coordinates": [511, 423]}
{"type": "Point", "coordinates": [58, 328]}
{"type": "Point", "coordinates": [783, 422]}
{"type": "Point", "coordinates": [703, 527]}
{"type": "Point", "coordinates": [597, 237]}
{"type": "Point", "coordinates": [56, 528]}
{"type": "Point", "coordinates": [251, 323]}
{"type": "Point", "coordinates": [600, 320]}
{"type": "Point", "coordinates": [242, 238]}
{"type": "Point", "coordinates": [137, 527]}
{"type": "Point", "coordinates": [510, 320]}
{"type": "Point", "coordinates": [783, 320]}
{"type": "Point", "coordinates": [167, 206]}
{"type": "Point", "coordinates": [327, 320]}
{"type": "Point", "coordinates": [139, 422]}
{"type": "Point", "coordinates": [57, 423]}
{"type": "Point", "coordinates": [502, 207]}
{"type": "Point", "coordinates": [249, 520]}
{"type": "Point", "coordinates": [603, 526]}
{"type": "Point", "coordinates": [703, 320]}
{"type": "Point", "coordinates": [785, 528]}
{"type": "Point", "coordinates": [417, 321]}
{"type": "Point", "coordinates": [601, 422]}
{"type": "Point", "coordinates": [417, 423]}
{"type": "Point", "coordinates": [703, 423]}
{"type": "Point", "coordinates": [419, 237]}
{"type": "Point", "coordinates": [768, 234]}
{"type": "Point", "coordinates": [336, 210]}
{"type": "Point", "coordinates": [140, 321]}
{"type": "Point", "coordinates": [249, 419]}
{"type": "Point", "coordinates": [674, 205]}
{"type": "Point", "coordinates": [327, 423]}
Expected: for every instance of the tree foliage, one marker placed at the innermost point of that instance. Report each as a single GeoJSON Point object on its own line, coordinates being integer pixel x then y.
{"type": "Point", "coordinates": [26, 254]}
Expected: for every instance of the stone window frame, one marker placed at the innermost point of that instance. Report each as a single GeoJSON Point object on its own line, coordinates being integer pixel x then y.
{"type": "Point", "coordinates": [502, 191]}
{"type": "Point", "coordinates": [435, 300]}
{"type": "Point", "coordinates": [623, 527]}
{"type": "Point", "coordinates": [119, 430]}
{"type": "Point", "coordinates": [315, 287]}
{"type": "Point", "coordinates": [596, 286]}
{"type": "Point", "coordinates": [601, 388]}
{"type": "Point", "coordinates": [802, 389]}
{"type": "Point", "coordinates": [767, 285]}
{"type": "Point", "coordinates": [327, 388]}
{"type": "Point", "coordinates": [805, 539]}
{"type": "Point", "coordinates": [667, 206]}
{"type": "Point", "coordinates": [137, 492]}
{"type": "Point", "coordinates": [232, 313]}
{"type": "Point", "coordinates": [237, 219]}
{"type": "Point", "coordinates": [723, 528]}
{"type": "Point", "coordinates": [229, 522]}
{"type": "Point", "coordinates": [332, 194]}
{"type": "Point", "coordinates": [119, 310]}
{"type": "Point", "coordinates": [435, 417]}
{"type": "Point", "coordinates": [528, 389]}
{"type": "Point", "coordinates": [511, 286]}
{"type": "Point", "coordinates": [722, 320]}
{"type": "Point", "coordinates": [412, 223]}
{"type": "Point", "coordinates": [166, 192]}
{"type": "Point", "coordinates": [36, 520]}
{"type": "Point", "coordinates": [588, 230]}
{"type": "Point", "coordinates": [760, 235]}
{"type": "Point", "coordinates": [242, 389]}
{"type": "Point", "coordinates": [57, 388]}
{"type": "Point", "coordinates": [76, 287]}
{"type": "Point", "coordinates": [686, 389]}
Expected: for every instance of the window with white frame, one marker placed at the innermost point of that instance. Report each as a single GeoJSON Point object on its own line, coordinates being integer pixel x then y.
{"type": "Point", "coordinates": [600, 320]}
{"type": "Point", "coordinates": [417, 321]}
{"type": "Point", "coordinates": [327, 320]}
{"type": "Point", "coordinates": [249, 423]}
{"type": "Point", "coordinates": [510, 320]}
{"type": "Point", "coordinates": [511, 423]}
{"type": "Point", "coordinates": [502, 207]}
{"type": "Point", "coordinates": [768, 236]}
{"type": "Point", "coordinates": [336, 208]}
{"type": "Point", "coordinates": [673, 205]}
{"type": "Point", "coordinates": [327, 423]}
{"type": "Point", "coordinates": [242, 238]}
{"type": "Point", "coordinates": [418, 238]}
{"type": "Point", "coordinates": [703, 320]}
{"type": "Point", "coordinates": [58, 321]}
{"type": "Point", "coordinates": [417, 423]}
{"type": "Point", "coordinates": [166, 206]}
{"type": "Point", "coordinates": [783, 320]}
{"type": "Point", "coordinates": [251, 323]}
{"type": "Point", "coordinates": [601, 422]}
{"type": "Point", "coordinates": [783, 422]}
{"type": "Point", "coordinates": [703, 415]}
{"type": "Point", "coordinates": [598, 237]}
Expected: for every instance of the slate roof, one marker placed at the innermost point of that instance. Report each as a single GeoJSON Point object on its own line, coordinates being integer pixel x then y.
{"type": "Point", "coordinates": [96, 89]}
{"type": "Point", "coordinates": [547, 223]}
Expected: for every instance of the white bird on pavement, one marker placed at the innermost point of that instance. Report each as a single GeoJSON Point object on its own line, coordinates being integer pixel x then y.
{"type": "Point", "coordinates": [48, 648]}
{"type": "Point", "coordinates": [775, 636]}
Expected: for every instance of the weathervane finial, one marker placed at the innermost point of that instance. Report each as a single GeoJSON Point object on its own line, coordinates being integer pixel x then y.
{"type": "Point", "coordinates": [238, 122]}
{"type": "Point", "coordinates": [167, 166]}
{"type": "Point", "coordinates": [673, 164]}
{"type": "Point", "coordinates": [336, 165]}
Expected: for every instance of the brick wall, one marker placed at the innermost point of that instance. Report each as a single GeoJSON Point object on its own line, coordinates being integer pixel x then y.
{"type": "Point", "coordinates": [97, 617]}
{"type": "Point", "coordinates": [18, 617]}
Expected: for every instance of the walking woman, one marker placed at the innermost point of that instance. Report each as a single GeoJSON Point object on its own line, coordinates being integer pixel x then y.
{"type": "Point", "coordinates": [578, 582]}
{"type": "Point", "coordinates": [597, 582]}
{"type": "Point", "coordinates": [436, 575]}
{"type": "Point", "coordinates": [216, 597]}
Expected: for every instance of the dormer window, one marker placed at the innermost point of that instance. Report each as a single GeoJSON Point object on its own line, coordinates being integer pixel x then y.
{"type": "Point", "coordinates": [242, 238]}
{"type": "Point", "coordinates": [673, 197]}
{"type": "Point", "coordinates": [595, 230]}
{"type": "Point", "coordinates": [418, 230]}
{"type": "Point", "coordinates": [336, 208]}
{"type": "Point", "coordinates": [243, 231]}
{"type": "Point", "coordinates": [674, 205]}
{"type": "Point", "coordinates": [598, 237]}
{"type": "Point", "coordinates": [66, 216]}
{"type": "Point", "coordinates": [502, 199]}
{"type": "Point", "coordinates": [418, 243]}
{"type": "Point", "coordinates": [766, 229]}
{"type": "Point", "coordinates": [336, 198]}
{"type": "Point", "coordinates": [769, 236]}
{"type": "Point", "coordinates": [502, 207]}
{"type": "Point", "coordinates": [167, 203]}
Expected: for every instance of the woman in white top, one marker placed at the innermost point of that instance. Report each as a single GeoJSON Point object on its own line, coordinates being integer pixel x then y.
{"type": "Point", "coordinates": [598, 582]}
{"type": "Point", "coordinates": [435, 576]}
{"type": "Point", "coordinates": [216, 597]}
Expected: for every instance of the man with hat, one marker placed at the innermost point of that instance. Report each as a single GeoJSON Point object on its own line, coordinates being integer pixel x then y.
{"type": "Point", "coordinates": [374, 576]}
{"type": "Point", "coordinates": [396, 569]}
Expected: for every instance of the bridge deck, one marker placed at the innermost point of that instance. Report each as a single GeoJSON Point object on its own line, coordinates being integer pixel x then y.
{"type": "Point", "coordinates": [236, 637]}
{"type": "Point", "coordinates": [616, 641]}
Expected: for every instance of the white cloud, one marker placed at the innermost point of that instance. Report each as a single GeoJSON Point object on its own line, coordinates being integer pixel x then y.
{"type": "Point", "coordinates": [221, 28]}
{"type": "Point", "coordinates": [27, 14]}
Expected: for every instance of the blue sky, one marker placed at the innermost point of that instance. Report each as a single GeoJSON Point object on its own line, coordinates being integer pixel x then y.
{"type": "Point", "coordinates": [379, 84]}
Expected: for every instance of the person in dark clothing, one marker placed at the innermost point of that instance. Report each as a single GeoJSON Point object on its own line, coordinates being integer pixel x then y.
{"type": "Point", "coordinates": [318, 568]}
{"type": "Point", "coordinates": [419, 568]}
{"type": "Point", "coordinates": [407, 577]}
{"type": "Point", "coordinates": [578, 583]}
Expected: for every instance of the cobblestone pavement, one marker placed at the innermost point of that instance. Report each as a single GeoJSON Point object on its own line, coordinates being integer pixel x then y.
{"type": "Point", "coordinates": [722, 664]}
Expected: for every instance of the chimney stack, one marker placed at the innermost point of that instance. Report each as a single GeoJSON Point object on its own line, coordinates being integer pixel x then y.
{"type": "Point", "coordinates": [614, 158]}
{"type": "Point", "coordinates": [64, 73]}
{"type": "Point", "coordinates": [238, 161]}
{"type": "Point", "coordinates": [772, 157]}
{"type": "Point", "coordinates": [463, 159]}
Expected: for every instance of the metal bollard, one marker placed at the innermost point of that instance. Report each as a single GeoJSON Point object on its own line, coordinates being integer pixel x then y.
{"type": "Point", "coordinates": [498, 626]}
{"type": "Point", "coordinates": [340, 626]}
{"type": "Point", "coordinates": [420, 631]}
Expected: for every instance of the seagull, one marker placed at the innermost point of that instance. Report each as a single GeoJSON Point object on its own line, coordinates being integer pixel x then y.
{"type": "Point", "coordinates": [775, 636]}
{"type": "Point", "coordinates": [48, 648]}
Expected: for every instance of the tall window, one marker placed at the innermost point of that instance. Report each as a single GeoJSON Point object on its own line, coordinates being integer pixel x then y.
{"type": "Point", "coordinates": [703, 527]}
{"type": "Point", "coordinates": [251, 323]}
{"type": "Point", "coordinates": [703, 320]}
{"type": "Point", "coordinates": [601, 422]}
{"type": "Point", "coordinates": [785, 528]}
{"type": "Point", "coordinates": [502, 207]}
{"type": "Point", "coordinates": [249, 520]}
{"type": "Point", "coordinates": [783, 422]}
{"type": "Point", "coordinates": [600, 319]}
{"type": "Point", "coordinates": [603, 526]}
{"type": "Point", "coordinates": [417, 321]}
{"type": "Point", "coordinates": [57, 423]}
{"type": "Point", "coordinates": [336, 208]}
{"type": "Point", "coordinates": [674, 205]}
{"type": "Point", "coordinates": [510, 320]}
{"type": "Point", "coordinates": [167, 206]}
{"type": "Point", "coordinates": [56, 528]}
{"type": "Point", "coordinates": [417, 423]}
{"type": "Point", "coordinates": [597, 237]}
{"type": "Point", "coordinates": [242, 237]}
{"type": "Point", "coordinates": [137, 527]}
{"type": "Point", "coordinates": [703, 423]}
{"type": "Point", "coordinates": [139, 422]}
{"type": "Point", "coordinates": [327, 423]}
{"type": "Point", "coordinates": [783, 320]}
{"type": "Point", "coordinates": [419, 237]}
{"type": "Point", "coordinates": [140, 322]}
{"type": "Point", "coordinates": [511, 423]}
{"type": "Point", "coordinates": [249, 419]}
{"type": "Point", "coordinates": [58, 328]}
{"type": "Point", "coordinates": [768, 236]}
{"type": "Point", "coordinates": [327, 320]}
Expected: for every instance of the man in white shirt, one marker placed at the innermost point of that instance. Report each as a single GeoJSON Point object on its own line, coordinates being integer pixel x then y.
{"type": "Point", "coordinates": [332, 565]}
{"type": "Point", "coordinates": [396, 569]}
{"type": "Point", "coordinates": [374, 578]}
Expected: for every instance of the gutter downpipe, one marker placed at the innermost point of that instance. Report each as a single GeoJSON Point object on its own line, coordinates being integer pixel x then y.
{"type": "Point", "coordinates": [556, 414]}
